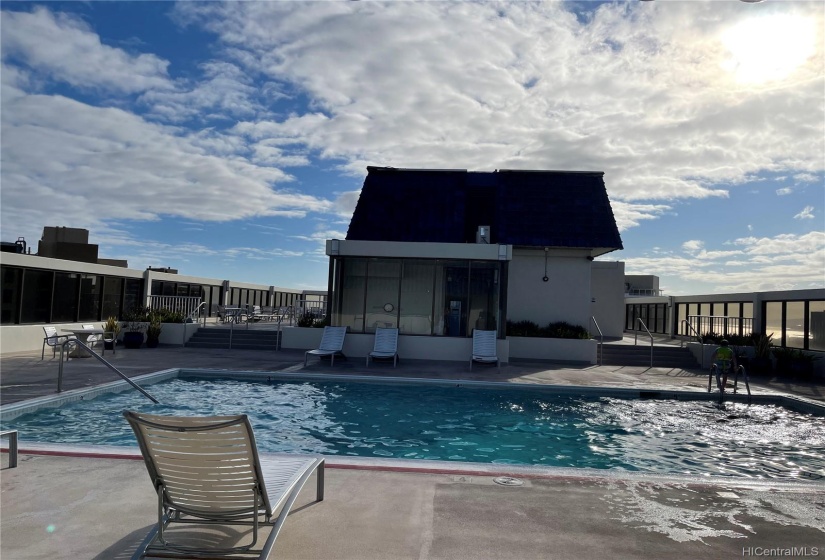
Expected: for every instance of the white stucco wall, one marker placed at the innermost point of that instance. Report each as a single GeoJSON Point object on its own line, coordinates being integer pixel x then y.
{"type": "Point", "coordinates": [564, 297]}
{"type": "Point", "coordinates": [607, 291]}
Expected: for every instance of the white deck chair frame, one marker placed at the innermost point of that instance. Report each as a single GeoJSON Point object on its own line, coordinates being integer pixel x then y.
{"type": "Point", "coordinates": [484, 348]}
{"type": "Point", "coordinates": [55, 341]}
{"type": "Point", "coordinates": [385, 345]}
{"type": "Point", "coordinates": [206, 470]}
{"type": "Point", "coordinates": [332, 344]}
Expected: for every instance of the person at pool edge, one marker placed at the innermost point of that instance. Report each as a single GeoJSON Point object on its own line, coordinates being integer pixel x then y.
{"type": "Point", "coordinates": [725, 360]}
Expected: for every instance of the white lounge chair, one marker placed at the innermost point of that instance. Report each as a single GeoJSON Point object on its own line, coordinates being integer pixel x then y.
{"type": "Point", "coordinates": [332, 342]}
{"type": "Point", "coordinates": [385, 345]}
{"type": "Point", "coordinates": [484, 348]}
{"type": "Point", "coordinates": [206, 470]}
{"type": "Point", "coordinates": [55, 341]}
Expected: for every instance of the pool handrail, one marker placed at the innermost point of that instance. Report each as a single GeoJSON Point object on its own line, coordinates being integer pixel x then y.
{"type": "Point", "coordinates": [636, 338]}
{"type": "Point", "coordinates": [601, 338]}
{"type": "Point", "coordinates": [698, 339]}
{"type": "Point", "coordinates": [101, 360]}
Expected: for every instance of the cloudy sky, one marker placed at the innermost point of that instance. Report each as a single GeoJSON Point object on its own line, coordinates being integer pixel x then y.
{"type": "Point", "coordinates": [230, 140]}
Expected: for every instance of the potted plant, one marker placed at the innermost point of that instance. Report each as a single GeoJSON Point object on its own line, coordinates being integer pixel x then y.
{"type": "Point", "coordinates": [761, 363]}
{"type": "Point", "coordinates": [134, 319]}
{"type": "Point", "coordinates": [153, 330]}
{"type": "Point", "coordinates": [112, 325]}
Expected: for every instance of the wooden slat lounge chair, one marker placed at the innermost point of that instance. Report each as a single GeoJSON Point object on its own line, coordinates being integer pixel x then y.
{"type": "Point", "coordinates": [332, 344]}
{"type": "Point", "coordinates": [484, 348]}
{"type": "Point", "coordinates": [206, 470]}
{"type": "Point", "coordinates": [385, 345]}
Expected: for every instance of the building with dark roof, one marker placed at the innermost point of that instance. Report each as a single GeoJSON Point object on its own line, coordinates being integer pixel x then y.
{"type": "Point", "coordinates": [438, 253]}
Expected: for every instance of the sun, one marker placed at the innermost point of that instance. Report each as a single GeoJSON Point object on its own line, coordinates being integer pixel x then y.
{"type": "Point", "coordinates": [769, 48]}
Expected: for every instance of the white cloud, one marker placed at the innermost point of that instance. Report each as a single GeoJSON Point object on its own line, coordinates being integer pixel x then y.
{"type": "Point", "coordinates": [634, 91]}
{"type": "Point", "coordinates": [693, 245]}
{"type": "Point", "coordinates": [64, 48]}
{"type": "Point", "coordinates": [782, 262]}
{"type": "Point", "coordinates": [807, 213]}
{"type": "Point", "coordinates": [108, 165]}
{"type": "Point", "coordinates": [784, 191]}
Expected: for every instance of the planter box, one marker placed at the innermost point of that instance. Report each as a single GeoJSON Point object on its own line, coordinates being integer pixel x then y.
{"type": "Point", "coordinates": [553, 349]}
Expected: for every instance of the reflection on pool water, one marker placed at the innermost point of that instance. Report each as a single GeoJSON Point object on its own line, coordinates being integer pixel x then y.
{"type": "Point", "coordinates": [487, 425]}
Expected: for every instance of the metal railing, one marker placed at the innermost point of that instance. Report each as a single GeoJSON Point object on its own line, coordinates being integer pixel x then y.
{"type": "Point", "coordinates": [636, 338]}
{"type": "Point", "coordinates": [101, 360]}
{"type": "Point", "coordinates": [185, 305]}
{"type": "Point", "coordinates": [195, 316]}
{"type": "Point", "coordinates": [601, 338]}
{"type": "Point", "coordinates": [698, 339]}
{"type": "Point", "coordinates": [721, 324]}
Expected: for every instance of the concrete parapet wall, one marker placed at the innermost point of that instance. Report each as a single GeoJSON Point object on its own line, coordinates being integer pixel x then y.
{"type": "Point", "coordinates": [553, 349]}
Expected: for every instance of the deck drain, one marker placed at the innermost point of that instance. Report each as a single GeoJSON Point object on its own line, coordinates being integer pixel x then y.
{"type": "Point", "coordinates": [507, 481]}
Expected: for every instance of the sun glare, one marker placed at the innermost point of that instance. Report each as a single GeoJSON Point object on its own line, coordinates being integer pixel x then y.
{"type": "Point", "coordinates": [764, 49]}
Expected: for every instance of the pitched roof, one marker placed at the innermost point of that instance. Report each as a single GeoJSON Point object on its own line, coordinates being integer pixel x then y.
{"type": "Point", "coordinates": [522, 208]}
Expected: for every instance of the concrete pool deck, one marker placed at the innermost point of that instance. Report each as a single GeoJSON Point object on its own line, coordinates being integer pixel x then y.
{"type": "Point", "coordinates": [101, 508]}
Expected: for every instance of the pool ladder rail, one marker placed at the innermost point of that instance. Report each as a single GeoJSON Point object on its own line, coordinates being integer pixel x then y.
{"type": "Point", "coordinates": [102, 360]}
{"type": "Point", "coordinates": [714, 370]}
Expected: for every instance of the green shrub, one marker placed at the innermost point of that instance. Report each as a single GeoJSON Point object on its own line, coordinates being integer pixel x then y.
{"type": "Point", "coordinates": [563, 329]}
{"type": "Point", "coordinates": [559, 329]}
{"type": "Point", "coordinates": [523, 328]}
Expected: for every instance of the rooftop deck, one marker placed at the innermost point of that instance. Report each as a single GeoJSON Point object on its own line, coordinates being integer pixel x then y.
{"type": "Point", "coordinates": [82, 506]}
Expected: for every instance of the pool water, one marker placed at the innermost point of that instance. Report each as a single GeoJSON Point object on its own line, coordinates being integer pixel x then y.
{"type": "Point", "coordinates": [486, 425]}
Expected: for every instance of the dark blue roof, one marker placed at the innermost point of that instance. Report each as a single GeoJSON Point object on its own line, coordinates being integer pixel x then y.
{"type": "Point", "coordinates": [522, 208]}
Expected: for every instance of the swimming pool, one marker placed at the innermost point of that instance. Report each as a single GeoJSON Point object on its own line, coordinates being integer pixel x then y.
{"type": "Point", "coordinates": [507, 424]}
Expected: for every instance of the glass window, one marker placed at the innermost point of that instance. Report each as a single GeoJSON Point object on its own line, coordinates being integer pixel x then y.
{"type": "Point", "coordinates": [383, 278]}
{"type": "Point", "coordinates": [734, 325]}
{"type": "Point", "coordinates": [64, 306]}
{"type": "Point", "coordinates": [181, 290]}
{"type": "Point", "coordinates": [36, 300]}
{"type": "Point", "coordinates": [10, 279]}
{"type": "Point", "coordinates": [816, 325]}
{"type": "Point", "coordinates": [660, 318]}
{"type": "Point", "coordinates": [454, 276]}
{"type": "Point", "coordinates": [133, 294]}
{"type": "Point", "coordinates": [681, 315]}
{"type": "Point", "coordinates": [112, 288]}
{"type": "Point", "coordinates": [484, 290]}
{"type": "Point", "coordinates": [352, 284]}
{"type": "Point", "coordinates": [91, 289]}
{"type": "Point", "coordinates": [795, 324]}
{"type": "Point", "coordinates": [416, 308]}
{"type": "Point", "coordinates": [773, 321]}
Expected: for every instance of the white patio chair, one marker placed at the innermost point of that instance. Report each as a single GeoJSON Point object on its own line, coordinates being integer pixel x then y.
{"type": "Point", "coordinates": [385, 345]}
{"type": "Point", "coordinates": [93, 339]}
{"type": "Point", "coordinates": [484, 348]}
{"type": "Point", "coordinates": [206, 470]}
{"type": "Point", "coordinates": [55, 341]}
{"type": "Point", "coordinates": [332, 342]}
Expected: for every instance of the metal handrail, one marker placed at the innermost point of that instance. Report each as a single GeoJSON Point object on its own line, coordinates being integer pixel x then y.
{"type": "Point", "coordinates": [601, 338]}
{"type": "Point", "coordinates": [197, 311]}
{"type": "Point", "coordinates": [101, 360]}
{"type": "Point", "coordinates": [636, 338]}
{"type": "Point", "coordinates": [698, 339]}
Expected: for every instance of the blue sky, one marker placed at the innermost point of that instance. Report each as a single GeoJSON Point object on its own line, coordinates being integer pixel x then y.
{"type": "Point", "coordinates": [230, 140]}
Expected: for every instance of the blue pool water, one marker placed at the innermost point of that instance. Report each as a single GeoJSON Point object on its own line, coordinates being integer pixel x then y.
{"type": "Point", "coordinates": [487, 425]}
